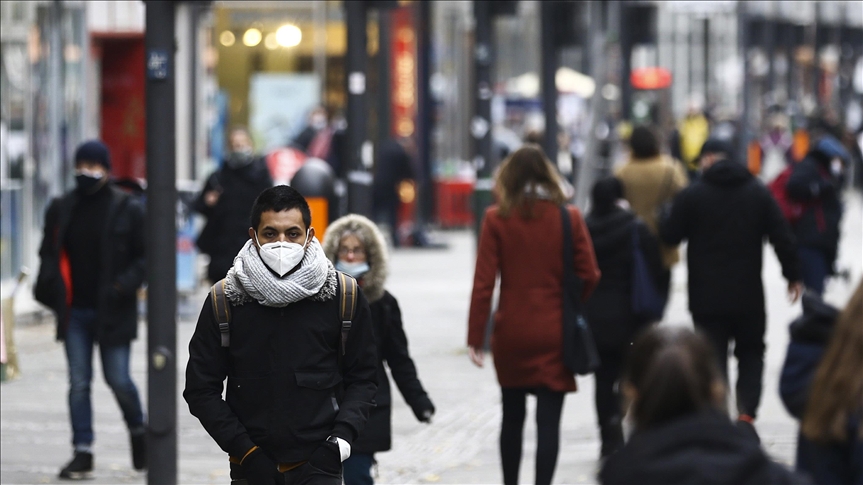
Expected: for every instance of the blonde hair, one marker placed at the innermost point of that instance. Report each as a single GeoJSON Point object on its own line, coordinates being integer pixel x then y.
{"type": "Point", "coordinates": [519, 177]}
{"type": "Point", "coordinates": [837, 388]}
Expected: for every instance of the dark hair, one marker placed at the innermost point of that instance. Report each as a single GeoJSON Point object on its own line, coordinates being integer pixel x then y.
{"type": "Point", "coordinates": [521, 172]}
{"type": "Point", "coordinates": [604, 195]}
{"type": "Point", "coordinates": [644, 142]}
{"type": "Point", "coordinates": [674, 372]}
{"type": "Point", "coordinates": [280, 198]}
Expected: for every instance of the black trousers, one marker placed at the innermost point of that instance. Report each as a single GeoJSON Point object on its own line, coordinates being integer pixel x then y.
{"type": "Point", "coordinates": [549, 405]}
{"type": "Point", "coordinates": [747, 332]}
{"type": "Point", "coordinates": [607, 400]}
{"type": "Point", "coordinates": [304, 474]}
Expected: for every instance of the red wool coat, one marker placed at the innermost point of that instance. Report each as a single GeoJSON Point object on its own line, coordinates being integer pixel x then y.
{"type": "Point", "coordinates": [528, 256]}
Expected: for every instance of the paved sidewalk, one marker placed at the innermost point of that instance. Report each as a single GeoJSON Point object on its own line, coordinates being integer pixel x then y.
{"type": "Point", "coordinates": [460, 446]}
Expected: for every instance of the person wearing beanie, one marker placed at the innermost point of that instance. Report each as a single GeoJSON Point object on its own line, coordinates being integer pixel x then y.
{"type": "Point", "coordinates": [815, 183]}
{"type": "Point", "coordinates": [92, 264]}
{"type": "Point", "coordinates": [725, 215]}
{"type": "Point", "coordinates": [613, 229]}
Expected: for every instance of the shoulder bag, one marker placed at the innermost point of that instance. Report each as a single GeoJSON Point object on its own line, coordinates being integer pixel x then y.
{"type": "Point", "coordinates": [647, 302]}
{"type": "Point", "coordinates": [579, 349]}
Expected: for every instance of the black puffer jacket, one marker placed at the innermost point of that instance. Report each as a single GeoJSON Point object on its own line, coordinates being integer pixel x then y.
{"type": "Point", "coordinates": [725, 216]}
{"type": "Point", "coordinates": [122, 266]}
{"type": "Point", "coordinates": [609, 309]}
{"type": "Point", "coordinates": [812, 184]}
{"type": "Point", "coordinates": [227, 228]}
{"type": "Point", "coordinates": [703, 448]}
{"type": "Point", "coordinates": [283, 376]}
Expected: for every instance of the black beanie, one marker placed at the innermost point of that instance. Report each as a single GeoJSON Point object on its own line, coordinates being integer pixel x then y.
{"type": "Point", "coordinates": [93, 151]}
{"type": "Point", "coordinates": [605, 194]}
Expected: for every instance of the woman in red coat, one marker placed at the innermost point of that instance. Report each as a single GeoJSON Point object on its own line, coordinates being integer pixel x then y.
{"type": "Point", "coordinates": [522, 241]}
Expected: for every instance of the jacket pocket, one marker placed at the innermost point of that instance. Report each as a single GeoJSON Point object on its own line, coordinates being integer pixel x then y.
{"type": "Point", "coordinates": [250, 400]}
{"type": "Point", "coordinates": [316, 405]}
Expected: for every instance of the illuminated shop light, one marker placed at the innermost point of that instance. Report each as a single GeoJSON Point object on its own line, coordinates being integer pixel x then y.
{"type": "Point", "coordinates": [227, 38]}
{"type": "Point", "coordinates": [289, 35]}
{"type": "Point", "coordinates": [270, 41]}
{"type": "Point", "coordinates": [252, 37]}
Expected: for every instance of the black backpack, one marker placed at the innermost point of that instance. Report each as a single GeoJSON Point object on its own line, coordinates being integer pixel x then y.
{"type": "Point", "coordinates": [347, 309]}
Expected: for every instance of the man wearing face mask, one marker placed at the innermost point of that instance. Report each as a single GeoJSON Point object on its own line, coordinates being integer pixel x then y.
{"type": "Point", "coordinates": [225, 200]}
{"type": "Point", "coordinates": [816, 182]}
{"type": "Point", "coordinates": [92, 264]}
{"type": "Point", "coordinates": [293, 407]}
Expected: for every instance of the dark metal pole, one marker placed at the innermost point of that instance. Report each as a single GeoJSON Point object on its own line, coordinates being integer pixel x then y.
{"type": "Point", "coordinates": [625, 64]}
{"type": "Point", "coordinates": [425, 113]}
{"type": "Point", "coordinates": [743, 42]}
{"type": "Point", "coordinates": [161, 245]}
{"type": "Point", "coordinates": [384, 73]}
{"type": "Point", "coordinates": [770, 47]}
{"type": "Point", "coordinates": [359, 147]}
{"type": "Point", "coordinates": [481, 122]}
{"type": "Point", "coordinates": [549, 89]}
{"type": "Point", "coordinates": [816, 58]}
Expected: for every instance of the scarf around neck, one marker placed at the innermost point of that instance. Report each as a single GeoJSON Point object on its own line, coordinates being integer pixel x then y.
{"type": "Point", "coordinates": [250, 279]}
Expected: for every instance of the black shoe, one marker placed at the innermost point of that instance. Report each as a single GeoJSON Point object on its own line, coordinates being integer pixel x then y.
{"type": "Point", "coordinates": [745, 424]}
{"type": "Point", "coordinates": [79, 468]}
{"type": "Point", "coordinates": [139, 451]}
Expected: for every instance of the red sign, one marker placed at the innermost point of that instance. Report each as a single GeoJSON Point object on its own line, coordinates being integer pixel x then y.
{"type": "Point", "coordinates": [650, 78]}
{"type": "Point", "coordinates": [404, 73]}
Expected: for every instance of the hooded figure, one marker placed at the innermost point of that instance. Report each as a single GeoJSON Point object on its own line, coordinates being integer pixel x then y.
{"type": "Point", "coordinates": [355, 245]}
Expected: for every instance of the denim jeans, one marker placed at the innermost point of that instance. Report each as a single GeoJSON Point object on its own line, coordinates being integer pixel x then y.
{"type": "Point", "coordinates": [358, 469]}
{"type": "Point", "coordinates": [814, 268]}
{"type": "Point", "coordinates": [80, 339]}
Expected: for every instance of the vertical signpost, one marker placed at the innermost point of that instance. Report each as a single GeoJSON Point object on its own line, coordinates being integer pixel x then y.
{"type": "Point", "coordinates": [359, 147]}
{"type": "Point", "coordinates": [161, 245]}
{"type": "Point", "coordinates": [480, 125]}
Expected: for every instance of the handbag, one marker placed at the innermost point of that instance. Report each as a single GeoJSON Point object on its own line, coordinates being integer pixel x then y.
{"type": "Point", "coordinates": [647, 302]}
{"type": "Point", "coordinates": [579, 349]}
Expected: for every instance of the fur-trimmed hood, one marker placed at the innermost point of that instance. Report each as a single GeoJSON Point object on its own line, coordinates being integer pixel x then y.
{"type": "Point", "coordinates": [375, 246]}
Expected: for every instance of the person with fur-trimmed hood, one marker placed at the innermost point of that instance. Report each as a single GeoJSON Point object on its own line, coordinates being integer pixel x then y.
{"type": "Point", "coordinates": [356, 247]}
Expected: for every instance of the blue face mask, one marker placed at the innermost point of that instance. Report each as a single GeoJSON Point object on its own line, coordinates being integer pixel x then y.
{"type": "Point", "coordinates": [357, 270]}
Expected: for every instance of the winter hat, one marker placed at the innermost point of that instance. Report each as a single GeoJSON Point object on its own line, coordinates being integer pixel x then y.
{"type": "Point", "coordinates": [605, 195]}
{"type": "Point", "coordinates": [717, 145]}
{"type": "Point", "coordinates": [93, 151]}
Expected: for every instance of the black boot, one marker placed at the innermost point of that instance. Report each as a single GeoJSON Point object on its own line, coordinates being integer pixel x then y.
{"type": "Point", "coordinates": [139, 450]}
{"type": "Point", "coordinates": [79, 468]}
{"type": "Point", "coordinates": [612, 437]}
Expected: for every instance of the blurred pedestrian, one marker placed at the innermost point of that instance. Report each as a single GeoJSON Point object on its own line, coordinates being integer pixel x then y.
{"type": "Point", "coordinates": [609, 310]}
{"type": "Point", "coordinates": [725, 216]}
{"type": "Point", "coordinates": [317, 121]}
{"type": "Point", "coordinates": [682, 432]}
{"type": "Point", "coordinates": [693, 130]}
{"type": "Point", "coordinates": [522, 241]}
{"type": "Point", "coordinates": [225, 201]}
{"type": "Point", "coordinates": [650, 181]}
{"type": "Point", "coordinates": [299, 391]}
{"type": "Point", "coordinates": [815, 183]}
{"type": "Point", "coordinates": [775, 147]}
{"type": "Point", "coordinates": [393, 166]}
{"type": "Point", "coordinates": [356, 247]}
{"type": "Point", "coordinates": [92, 264]}
{"type": "Point", "coordinates": [830, 446]}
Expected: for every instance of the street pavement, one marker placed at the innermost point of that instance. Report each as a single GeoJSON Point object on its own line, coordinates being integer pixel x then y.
{"type": "Point", "coordinates": [460, 446]}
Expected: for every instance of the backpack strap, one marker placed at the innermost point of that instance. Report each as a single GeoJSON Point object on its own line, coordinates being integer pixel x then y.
{"type": "Point", "coordinates": [222, 311]}
{"type": "Point", "coordinates": [347, 307]}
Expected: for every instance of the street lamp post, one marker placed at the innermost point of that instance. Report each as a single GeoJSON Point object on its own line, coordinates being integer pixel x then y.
{"type": "Point", "coordinates": [359, 147]}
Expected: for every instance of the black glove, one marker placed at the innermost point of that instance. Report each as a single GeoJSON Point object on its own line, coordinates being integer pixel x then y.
{"type": "Point", "coordinates": [424, 410]}
{"type": "Point", "coordinates": [327, 458]}
{"type": "Point", "coordinates": [260, 469]}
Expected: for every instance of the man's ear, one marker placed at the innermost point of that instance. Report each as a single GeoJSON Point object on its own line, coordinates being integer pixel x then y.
{"type": "Point", "coordinates": [311, 233]}
{"type": "Point", "coordinates": [251, 233]}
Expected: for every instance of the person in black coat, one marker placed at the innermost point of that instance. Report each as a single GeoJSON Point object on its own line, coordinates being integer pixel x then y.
{"type": "Point", "coordinates": [355, 245]}
{"type": "Point", "coordinates": [226, 200]}
{"type": "Point", "coordinates": [296, 399]}
{"type": "Point", "coordinates": [682, 435]}
{"type": "Point", "coordinates": [92, 264]}
{"type": "Point", "coordinates": [393, 165]}
{"type": "Point", "coordinates": [609, 309]}
{"type": "Point", "coordinates": [725, 216]}
{"type": "Point", "coordinates": [815, 182]}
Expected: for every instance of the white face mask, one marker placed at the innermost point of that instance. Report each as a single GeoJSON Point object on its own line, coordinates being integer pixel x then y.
{"type": "Point", "coordinates": [282, 256]}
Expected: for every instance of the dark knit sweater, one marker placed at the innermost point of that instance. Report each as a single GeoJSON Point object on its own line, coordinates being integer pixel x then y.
{"type": "Point", "coordinates": [83, 244]}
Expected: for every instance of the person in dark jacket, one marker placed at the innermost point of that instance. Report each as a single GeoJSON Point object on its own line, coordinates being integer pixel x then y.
{"type": "Point", "coordinates": [821, 385]}
{"type": "Point", "coordinates": [225, 201]}
{"type": "Point", "coordinates": [815, 182]}
{"type": "Point", "coordinates": [92, 264]}
{"type": "Point", "coordinates": [356, 247]}
{"type": "Point", "coordinates": [293, 406]}
{"type": "Point", "coordinates": [393, 165]}
{"type": "Point", "coordinates": [609, 309]}
{"type": "Point", "coordinates": [725, 216]}
{"type": "Point", "coordinates": [682, 435]}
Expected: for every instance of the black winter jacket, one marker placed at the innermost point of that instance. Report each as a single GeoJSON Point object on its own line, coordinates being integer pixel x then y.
{"type": "Point", "coordinates": [703, 448]}
{"type": "Point", "coordinates": [285, 391]}
{"type": "Point", "coordinates": [725, 216]}
{"type": "Point", "coordinates": [609, 309]}
{"type": "Point", "coordinates": [818, 227]}
{"type": "Point", "coordinates": [123, 267]}
{"type": "Point", "coordinates": [228, 222]}
{"type": "Point", "coordinates": [392, 344]}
